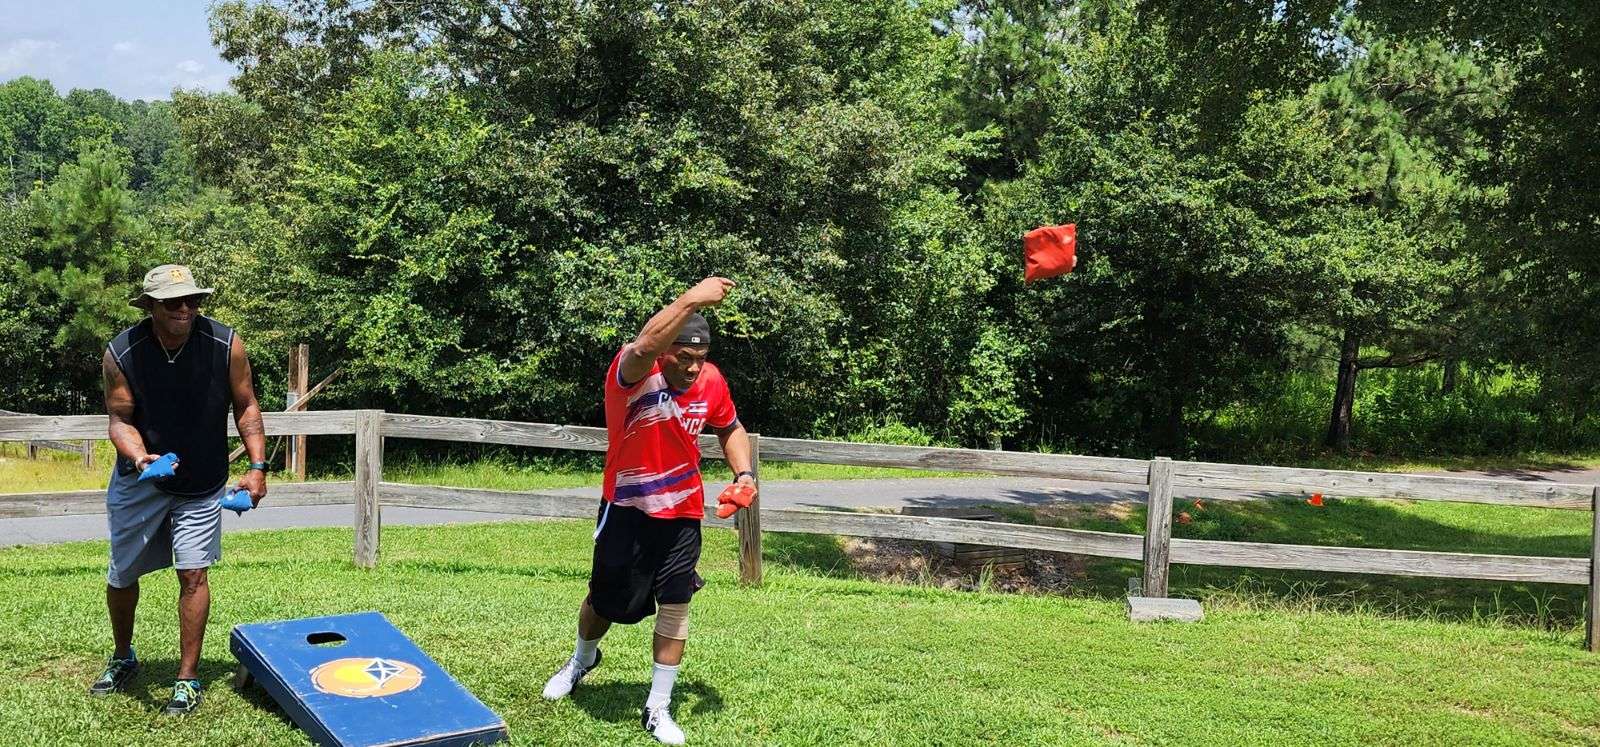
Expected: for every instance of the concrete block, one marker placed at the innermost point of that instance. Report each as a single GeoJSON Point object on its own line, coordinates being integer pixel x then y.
{"type": "Point", "coordinates": [1147, 609]}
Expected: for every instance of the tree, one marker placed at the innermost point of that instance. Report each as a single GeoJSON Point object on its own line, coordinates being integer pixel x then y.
{"type": "Point", "coordinates": [35, 133]}
{"type": "Point", "coordinates": [1191, 252]}
{"type": "Point", "coordinates": [1400, 257]}
{"type": "Point", "coordinates": [81, 271]}
{"type": "Point", "coordinates": [25, 323]}
{"type": "Point", "coordinates": [1014, 54]}
{"type": "Point", "coordinates": [152, 140]}
{"type": "Point", "coordinates": [488, 198]}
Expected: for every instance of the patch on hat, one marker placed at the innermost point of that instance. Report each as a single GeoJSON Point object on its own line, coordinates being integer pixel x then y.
{"type": "Point", "coordinates": [696, 331]}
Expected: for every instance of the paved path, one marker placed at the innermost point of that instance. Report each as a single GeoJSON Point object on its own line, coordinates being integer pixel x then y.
{"type": "Point", "coordinates": [888, 493]}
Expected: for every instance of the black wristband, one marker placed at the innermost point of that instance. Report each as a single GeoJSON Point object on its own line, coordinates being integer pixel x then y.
{"type": "Point", "coordinates": [258, 465]}
{"type": "Point", "coordinates": [742, 473]}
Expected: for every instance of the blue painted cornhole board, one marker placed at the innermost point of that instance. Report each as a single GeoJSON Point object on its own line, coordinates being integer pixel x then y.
{"type": "Point", "coordinates": [375, 688]}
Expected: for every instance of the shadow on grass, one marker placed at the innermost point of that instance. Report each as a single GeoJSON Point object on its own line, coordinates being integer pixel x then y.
{"type": "Point", "coordinates": [152, 686]}
{"type": "Point", "coordinates": [621, 702]}
{"type": "Point", "coordinates": [817, 553]}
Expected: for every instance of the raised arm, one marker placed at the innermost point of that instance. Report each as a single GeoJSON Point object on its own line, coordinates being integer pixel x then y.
{"type": "Point", "coordinates": [658, 333]}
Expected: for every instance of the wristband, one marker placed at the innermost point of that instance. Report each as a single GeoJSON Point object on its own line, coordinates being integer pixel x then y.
{"type": "Point", "coordinates": [742, 473]}
{"type": "Point", "coordinates": [259, 465]}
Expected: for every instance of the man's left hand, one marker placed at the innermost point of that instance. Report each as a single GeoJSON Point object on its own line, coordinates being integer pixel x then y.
{"type": "Point", "coordinates": [750, 481]}
{"type": "Point", "coordinates": [739, 495]}
{"type": "Point", "coordinates": [255, 481]}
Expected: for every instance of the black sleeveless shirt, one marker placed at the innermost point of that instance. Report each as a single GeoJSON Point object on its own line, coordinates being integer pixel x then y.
{"type": "Point", "coordinates": [181, 406]}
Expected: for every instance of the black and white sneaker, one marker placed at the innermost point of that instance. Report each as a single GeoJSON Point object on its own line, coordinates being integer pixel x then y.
{"type": "Point", "coordinates": [185, 698]}
{"type": "Point", "coordinates": [116, 677]}
{"type": "Point", "coordinates": [567, 677]}
{"type": "Point", "coordinates": [658, 721]}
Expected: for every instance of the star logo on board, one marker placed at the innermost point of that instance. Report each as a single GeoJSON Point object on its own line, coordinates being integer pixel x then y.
{"type": "Point", "coordinates": [383, 671]}
{"type": "Point", "coordinates": [365, 677]}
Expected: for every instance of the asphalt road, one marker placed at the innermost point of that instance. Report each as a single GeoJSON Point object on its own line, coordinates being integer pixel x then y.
{"type": "Point", "coordinates": [886, 493]}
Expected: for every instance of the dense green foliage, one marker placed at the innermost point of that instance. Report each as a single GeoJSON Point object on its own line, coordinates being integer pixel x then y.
{"type": "Point", "coordinates": [470, 205]}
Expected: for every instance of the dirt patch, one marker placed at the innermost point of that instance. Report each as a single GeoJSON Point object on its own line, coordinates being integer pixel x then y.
{"type": "Point", "coordinates": [1074, 514]}
{"type": "Point", "coordinates": [910, 562]}
{"type": "Point", "coordinates": [64, 668]}
{"type": "Point", "coordinates": [922, 563]}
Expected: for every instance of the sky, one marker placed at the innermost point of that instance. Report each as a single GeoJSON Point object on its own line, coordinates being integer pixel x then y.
{"type": "Point", "coordinates": [136, 49]}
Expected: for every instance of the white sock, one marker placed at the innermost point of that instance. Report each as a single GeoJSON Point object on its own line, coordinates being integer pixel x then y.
{"type": "Point", "coordinates": [661, 686]}
{"type": "Point", "coordinates": [584, 651]}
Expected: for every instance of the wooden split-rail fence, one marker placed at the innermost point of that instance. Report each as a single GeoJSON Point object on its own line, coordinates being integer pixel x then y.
{"type": "Point", "coordinates": [1156, 548]}
{"type": "Point", "coordinates": [84, 448]}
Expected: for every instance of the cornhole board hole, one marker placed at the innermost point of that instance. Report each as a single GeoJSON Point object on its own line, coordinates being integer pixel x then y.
{"type": "Point", "coordinates": [356, 680]}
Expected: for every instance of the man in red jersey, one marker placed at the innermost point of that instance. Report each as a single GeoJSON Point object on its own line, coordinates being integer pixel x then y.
{"type": "Point", "coordinates": [660, 392]}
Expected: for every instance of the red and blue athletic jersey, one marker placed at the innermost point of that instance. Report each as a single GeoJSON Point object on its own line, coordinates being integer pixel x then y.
{"type": "Point", "coordinates": [653, 454]}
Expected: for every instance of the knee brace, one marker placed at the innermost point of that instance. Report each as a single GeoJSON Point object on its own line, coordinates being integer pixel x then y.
{"type": "Point", "coordinates": [672, 621]}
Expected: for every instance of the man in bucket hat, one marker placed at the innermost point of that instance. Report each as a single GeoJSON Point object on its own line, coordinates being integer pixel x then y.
{"type": "Point", "coordinates": [169, 383]}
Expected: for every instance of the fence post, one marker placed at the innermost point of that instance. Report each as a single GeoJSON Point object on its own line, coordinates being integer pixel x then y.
{"type": "Point", "coordinates": [88, 454]}
{"type": "Point", "coordinates": [299, 379]}
{"type": "Point", "coordinates": [369, 472]}
{"type": "Point", "coordinates": [748, 523]}
{"type": "Point", "coordinates": [33, 450]}
{"type": "Point", "coordinates": [1158, 528]}
{"type": "Point", "coordinates": [1593, 627]}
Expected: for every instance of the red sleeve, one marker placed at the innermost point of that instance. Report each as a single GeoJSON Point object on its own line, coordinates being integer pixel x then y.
{"type": "Point", "coordinates": [722, 413]}
{"type": "Point", "coordinates": [614, 382]}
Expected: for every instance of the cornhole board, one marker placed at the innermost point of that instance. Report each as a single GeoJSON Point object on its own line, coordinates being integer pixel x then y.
{"type": "Point", "coordinates": [357, 681]}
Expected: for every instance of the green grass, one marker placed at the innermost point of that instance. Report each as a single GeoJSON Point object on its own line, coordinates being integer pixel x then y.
{"type": "Point", "coordinates": [498, 470]}
{"type": "Point", "coordinates": [807, 659]}
{"type": "Point", "coordinates": [506, 474]}
{"type": "Point", "coordinates": [52, 470]}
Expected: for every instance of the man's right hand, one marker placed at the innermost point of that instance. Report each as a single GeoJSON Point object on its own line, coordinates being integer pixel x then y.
{"type": "Point", "coordinates": [709, 292]}
{"type": "Point", "coordinates": [145, 461]}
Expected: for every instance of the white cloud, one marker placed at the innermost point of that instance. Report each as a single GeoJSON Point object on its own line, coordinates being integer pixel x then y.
{"type": "Point", "coordinates": [160, 85]}
{"type": "Point", "coordinates": [190, 67]}
{"type": "Point", "coordinates": [212, 82]}
{"type": "Point", "coordinates": [24, 53]}
{"type": "Point", "coordinates": [124, 47]}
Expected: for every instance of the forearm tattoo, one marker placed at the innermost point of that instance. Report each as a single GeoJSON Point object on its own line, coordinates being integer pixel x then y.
{"type": "Point", "coordinates": [250, 425]}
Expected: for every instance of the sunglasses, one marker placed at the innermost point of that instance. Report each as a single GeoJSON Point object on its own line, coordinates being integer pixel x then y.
{"type": "Point", "coordinates": [174, 304]}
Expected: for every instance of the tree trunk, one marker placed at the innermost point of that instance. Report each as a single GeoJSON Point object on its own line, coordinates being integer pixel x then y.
{"type": "Point", "coordinates": [1344, 395]}
{"type": "Point", "coordinates": [1452, 369]}
{"type": "Point", "coordinates": [1169, 433]}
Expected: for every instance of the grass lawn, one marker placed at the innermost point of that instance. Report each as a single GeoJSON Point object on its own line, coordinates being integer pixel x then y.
{"type": "Point", "coordinates": [807, 659]}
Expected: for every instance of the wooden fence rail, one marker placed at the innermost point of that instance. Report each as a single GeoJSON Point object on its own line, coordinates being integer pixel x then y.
{"type": "Point", "coordinates": [84, 448]}
{"type": "Point", "coordinates": [1156, 548]}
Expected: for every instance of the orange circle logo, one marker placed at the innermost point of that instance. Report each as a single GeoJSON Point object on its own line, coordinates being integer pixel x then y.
{"type": "Point", "coordinates": [365, 677]}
